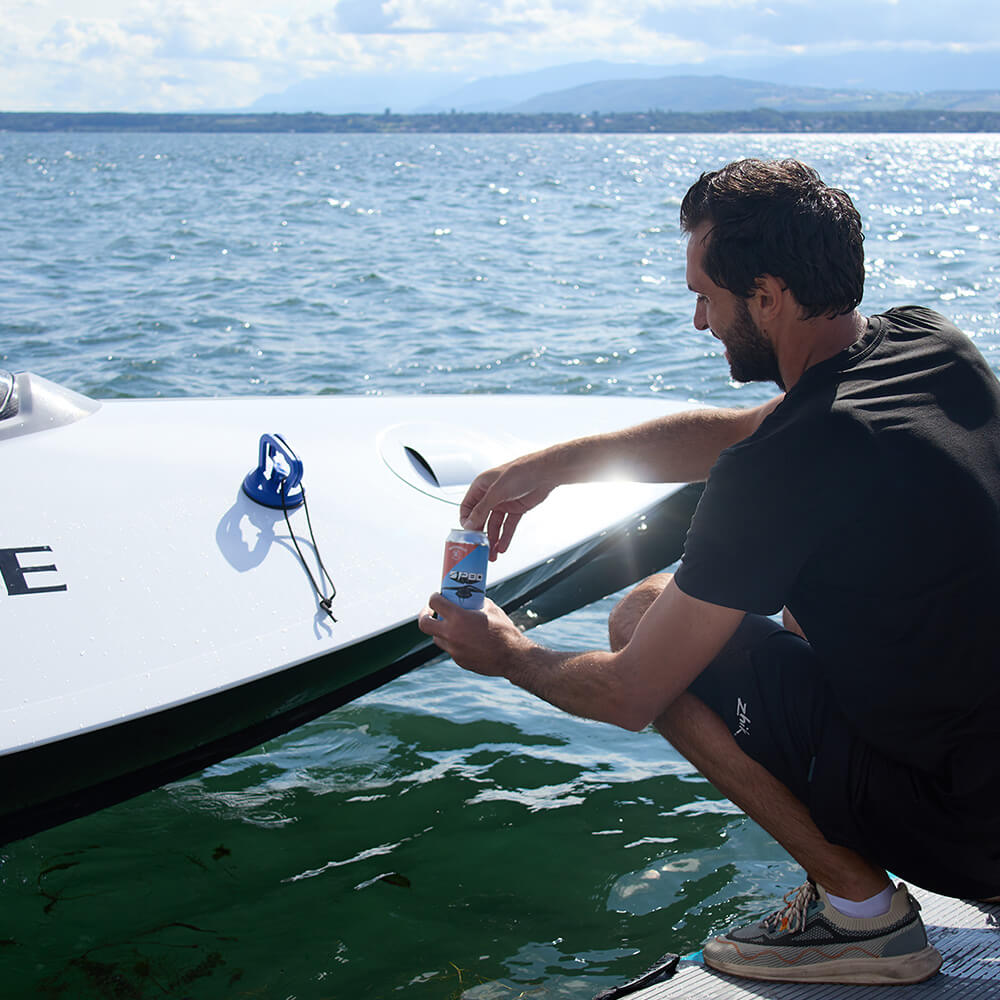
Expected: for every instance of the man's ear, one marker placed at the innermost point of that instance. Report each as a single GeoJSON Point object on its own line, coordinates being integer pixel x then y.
{"type": "Point", "coordinates": [768, 300]}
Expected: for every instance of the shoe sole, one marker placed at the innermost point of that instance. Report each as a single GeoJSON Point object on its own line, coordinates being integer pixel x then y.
{"type": "Point", "coordinates": [896, 971]}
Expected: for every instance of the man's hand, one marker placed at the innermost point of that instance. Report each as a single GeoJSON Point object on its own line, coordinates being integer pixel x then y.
{"type": "Point", "coordinates": [481, 641]}
{"type": "Point", "coordinates": [498, 498]}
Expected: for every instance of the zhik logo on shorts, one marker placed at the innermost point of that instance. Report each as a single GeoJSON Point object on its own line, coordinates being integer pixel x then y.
{"type": "Point", "coordinates": [742, 718]}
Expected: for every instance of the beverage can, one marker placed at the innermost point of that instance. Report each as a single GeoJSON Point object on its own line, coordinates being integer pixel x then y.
{"type": "Point", "coordinates": [463, 579]}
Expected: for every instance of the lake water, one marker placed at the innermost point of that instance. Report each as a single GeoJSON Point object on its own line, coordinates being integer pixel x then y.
{"type": "Point", "coordinates": [446, 836]}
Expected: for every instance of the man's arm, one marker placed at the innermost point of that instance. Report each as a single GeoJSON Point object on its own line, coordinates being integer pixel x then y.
{"type": "Point", "coordinates": [676, 638]}
{"type": "Point", "coordinates": [678, 448]}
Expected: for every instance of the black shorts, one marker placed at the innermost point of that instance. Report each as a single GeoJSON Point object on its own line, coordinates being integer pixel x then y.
{"type": "Point", "coordinates": [768, 688]}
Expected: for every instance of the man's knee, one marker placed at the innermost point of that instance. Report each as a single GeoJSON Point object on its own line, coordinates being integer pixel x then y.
{"type": "Point", "coordinates": [628, 612]}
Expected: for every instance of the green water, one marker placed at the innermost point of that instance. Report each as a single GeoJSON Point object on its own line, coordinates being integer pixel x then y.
{"type": "Point", "coordinates": [482, 845]}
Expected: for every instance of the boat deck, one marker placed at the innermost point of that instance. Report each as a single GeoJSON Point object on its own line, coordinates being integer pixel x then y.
{"type": "Point", "coordinates": [966, 934]}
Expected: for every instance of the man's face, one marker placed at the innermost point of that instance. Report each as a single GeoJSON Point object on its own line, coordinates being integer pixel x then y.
{"type": "Point", "coordinates": [749, 353]}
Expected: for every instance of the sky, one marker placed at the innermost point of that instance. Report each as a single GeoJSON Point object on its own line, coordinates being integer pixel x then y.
{"type": "Point", "coordinates": [188, 55]}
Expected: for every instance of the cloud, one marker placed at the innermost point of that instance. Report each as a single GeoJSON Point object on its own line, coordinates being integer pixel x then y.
{"type": "Point", "coordinates": [182, 54]}
{"type": "Point", "coordinates": [80, 63]}
{"type": "Point", "coordinates": [70, 40]}
{"type": "Point", "coordinates": [363, 17]}
{"type": "Point", "coordinates": [450, 17]}
{"type": "Point", "coordinates": [861, 23]}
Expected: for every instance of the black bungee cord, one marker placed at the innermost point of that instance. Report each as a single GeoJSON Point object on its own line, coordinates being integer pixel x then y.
{"type": "Point", "coordinates": [326, 603]}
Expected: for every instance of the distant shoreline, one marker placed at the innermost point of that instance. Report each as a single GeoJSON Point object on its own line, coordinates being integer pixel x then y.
{"type": "Point", "coordinates": [499, 122]}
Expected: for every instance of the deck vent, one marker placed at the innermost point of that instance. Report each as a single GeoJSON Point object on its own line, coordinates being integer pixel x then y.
{"type": "Point", "coordinates": [440, 459]}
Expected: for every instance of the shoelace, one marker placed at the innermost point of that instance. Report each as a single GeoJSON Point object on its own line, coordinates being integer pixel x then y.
{"type": "Point", "coordinates": [792, 916]}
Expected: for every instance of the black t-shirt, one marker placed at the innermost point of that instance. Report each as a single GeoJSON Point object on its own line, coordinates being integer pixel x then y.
{"type": "Point", "coordinates": [868, 503]}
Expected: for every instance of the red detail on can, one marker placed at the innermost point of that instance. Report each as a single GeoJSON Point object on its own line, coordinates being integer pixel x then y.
{"type": "Point", "coordinates": [455, 553]}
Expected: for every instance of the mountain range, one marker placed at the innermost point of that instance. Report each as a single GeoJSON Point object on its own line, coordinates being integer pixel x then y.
{"type": "Point", "coordinates": [724, 93]}
{"type": "Point", "coordinates": [893, 82]}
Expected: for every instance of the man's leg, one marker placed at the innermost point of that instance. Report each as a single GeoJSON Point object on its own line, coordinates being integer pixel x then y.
{"type": "Point", "coordinates": [847, 924]}
{"type": "Point", "coordinates": [702, 738]}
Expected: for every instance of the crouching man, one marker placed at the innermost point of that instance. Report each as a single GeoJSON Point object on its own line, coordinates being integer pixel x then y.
{"type": "Point", "coordinates": [865, 500]}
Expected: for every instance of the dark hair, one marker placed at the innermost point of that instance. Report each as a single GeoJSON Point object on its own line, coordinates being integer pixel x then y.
{"type": "Point", "coordinates": [777, 217]}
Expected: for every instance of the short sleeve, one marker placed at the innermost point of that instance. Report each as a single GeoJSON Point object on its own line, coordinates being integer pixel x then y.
{"type": "Point", "coordinates": [770, 503]}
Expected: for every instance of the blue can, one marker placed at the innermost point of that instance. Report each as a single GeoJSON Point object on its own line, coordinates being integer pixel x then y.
{"type": "Point", "coordinates": [463, 580]}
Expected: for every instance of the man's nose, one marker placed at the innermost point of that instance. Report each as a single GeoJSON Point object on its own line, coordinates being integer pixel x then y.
{"type": "Point", "coordinates": [700, 320]}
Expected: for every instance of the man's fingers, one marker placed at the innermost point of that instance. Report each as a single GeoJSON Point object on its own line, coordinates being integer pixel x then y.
{"type": "Point", "coordinates": [475, 520]}
{"type": "Point", "coordinates": [500, 530]}
{"type": "Point", "coordinates": [426, 622]}
{"type": "Point", "coordinates": [495, 505]}
{"type": "Point", "coordinates": [468, 514]}
{"type": "Point", "coordinates": [492, 527]}
{"type": "Point", "coordinates": [430, 621]}
{"type": "Point", "coordinates": [474, 508]}
{"type": "Point", "coordinates": [510, 524]}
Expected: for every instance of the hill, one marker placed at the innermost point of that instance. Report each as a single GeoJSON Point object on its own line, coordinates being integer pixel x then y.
{"type": "Point", "coordinates": [723, 93]}
{"type": "Point", "coordinates": [898, 81]}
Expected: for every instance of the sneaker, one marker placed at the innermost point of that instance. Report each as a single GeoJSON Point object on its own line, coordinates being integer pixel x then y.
{"type": "Point", "coordinates": [808, 941]}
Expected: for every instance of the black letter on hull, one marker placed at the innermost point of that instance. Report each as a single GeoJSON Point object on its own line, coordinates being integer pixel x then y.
{"type": "Point", "coordinates": [13, 572]}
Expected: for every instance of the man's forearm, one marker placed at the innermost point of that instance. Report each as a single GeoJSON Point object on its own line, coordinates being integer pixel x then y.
{"type": "Point", "coordinates": [675, 637]}
{"type": "Point", "coordinates": [589, 685]}
{"type": "Point", "coordinates": [680, 447]}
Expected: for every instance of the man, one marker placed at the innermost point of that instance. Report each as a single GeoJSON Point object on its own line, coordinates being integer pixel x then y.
{"type": "Point", "coordinates": [865, 501]}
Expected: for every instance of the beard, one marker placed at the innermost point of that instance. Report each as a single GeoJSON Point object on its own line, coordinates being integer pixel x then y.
{"type": "Point", "coordinates": [751, 357]}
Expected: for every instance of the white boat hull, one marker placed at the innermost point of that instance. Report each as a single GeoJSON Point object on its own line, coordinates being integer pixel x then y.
{"type": "Point", "coordinates": [158, 620]}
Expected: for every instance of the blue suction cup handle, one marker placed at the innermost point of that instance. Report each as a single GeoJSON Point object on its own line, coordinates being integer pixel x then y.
{"type": "Point", "coordinates": [275, 483]}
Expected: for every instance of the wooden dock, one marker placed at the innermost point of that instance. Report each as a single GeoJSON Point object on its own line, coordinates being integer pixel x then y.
{"type": "Point", "coordinates": [966, 934]}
